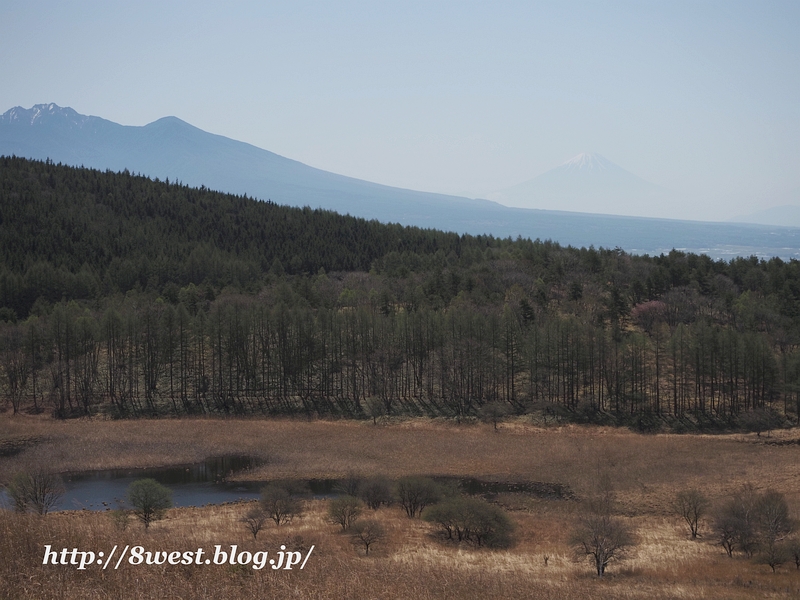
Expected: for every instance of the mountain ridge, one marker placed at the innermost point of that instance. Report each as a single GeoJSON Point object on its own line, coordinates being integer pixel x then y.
{"type": "Point", "coordinates": [170, 148]}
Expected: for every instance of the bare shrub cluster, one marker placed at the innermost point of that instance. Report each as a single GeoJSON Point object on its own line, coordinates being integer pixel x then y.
{"type": "Point", "coordinates": [415, 493]}
{"type": "Point", "coordinates": [344, 511]}
{"type": "Point", "coordinates": [472, 520]}
{"type": "Point", "coordinates": [36, 490]}
{"type": "Point", "coordinates": [757, 525]}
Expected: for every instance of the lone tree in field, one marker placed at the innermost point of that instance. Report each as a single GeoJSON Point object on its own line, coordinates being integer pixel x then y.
{"type": "Point", "coordinates": [254, 520]}
{"type": "Point", "coordinates": [602, 537]}
{"type": "Point", "coordinates": [37, 490]}
{"type": "Point", "coordinates": [366, 533]}
{"type": "Point", "coordinates": [150, 500]}
{"type": "Point", "coordinates": [691, 506]}
{"type": "Point", "coordinates": [599, 534]}
{"type": "Point", "coordinates": [415, 493]}
{"type": "Point", "coordinates": [280, 505]}
{"type": "Point", "coordinates": [344, 511]}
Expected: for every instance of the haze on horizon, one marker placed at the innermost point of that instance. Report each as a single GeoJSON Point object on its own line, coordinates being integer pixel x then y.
{"type": "Point", "coordinates": [449, 97]}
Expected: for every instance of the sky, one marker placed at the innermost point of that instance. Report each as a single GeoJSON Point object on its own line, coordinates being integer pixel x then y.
{"type": "Point", "coordinates": [466, 98]}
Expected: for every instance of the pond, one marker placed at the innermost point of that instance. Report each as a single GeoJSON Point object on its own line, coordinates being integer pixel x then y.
{"type": "Point", "coordinates": [207, 483]}
{"type": "Point", "coordinates": [191, 485]}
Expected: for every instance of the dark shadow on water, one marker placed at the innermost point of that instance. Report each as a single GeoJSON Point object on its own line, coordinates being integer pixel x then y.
{"type": "Point", "coordinates": [192, 485]}
{"type": "Point", "coordinates": [208, 483]}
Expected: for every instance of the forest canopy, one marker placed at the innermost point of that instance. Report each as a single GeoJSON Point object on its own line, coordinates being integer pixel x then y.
{"type": "Point", "coordinates": [123, 294]}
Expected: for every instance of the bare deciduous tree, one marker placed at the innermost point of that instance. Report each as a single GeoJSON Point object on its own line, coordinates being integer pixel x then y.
{"type": "Point", "coordinates": [691, 506]}
{"type": "Point", "coordinates": [376, 491]}
{"type": "Point", "coordinates": [37, 490]}
{"type": "Point", "coordinates": [793, 549]}
{"type": "Point", "coordinates": [344, 511]}
{"type": "Point", "coordinates": [772, 517]}
{"type": "Point", "coordinates": [280, 505]}
{"type": "Point", "coordinates": [415, 493]}
{"type": "Point", "coordinates": [774, 555]}
{"type": "Point", "coordinates": [774, 524]}
{"type": "Point", "coordinates": [254, 520]}
{"type": "Point", "coordinates": [599, 534]}
{"type": "Point", "coordinates": [602, 537]}
{"type": "Point", "coordinates": [734, 522]}
{"type": "Point", "coordinates": [366, 533]}
{"type": "Point", "coordinates": [349, 485]}
{"type": "Point", "coordinates": [751, 522]}
{"type": "Point", "coordinates": [375, 408]}
{"type": "Point", "coordinates": [15, 364]}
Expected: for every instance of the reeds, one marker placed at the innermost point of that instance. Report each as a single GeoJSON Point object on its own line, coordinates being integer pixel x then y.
{"type": "Point", "coordinates": [412, 560]}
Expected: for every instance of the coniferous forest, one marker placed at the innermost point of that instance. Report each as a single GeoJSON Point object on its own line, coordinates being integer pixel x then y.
{"type": "Point", "coordinates": [131, 297]}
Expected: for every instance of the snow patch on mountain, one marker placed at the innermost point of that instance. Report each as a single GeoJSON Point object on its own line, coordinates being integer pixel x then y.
{"type": "Point", "coordinates": [41, 114]}
{"type": "Point", "coordinates": [588, 161]}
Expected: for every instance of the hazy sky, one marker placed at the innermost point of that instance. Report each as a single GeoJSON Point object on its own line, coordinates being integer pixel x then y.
{"type": "Point", "coordinates": [459, 97]}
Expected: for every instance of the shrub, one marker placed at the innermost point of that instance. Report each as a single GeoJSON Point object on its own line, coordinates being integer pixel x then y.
{"type": "Point", "coordinates": [119, 518]}
{"type": "Point", "coordinates": [366, 533]}
{"type": "Point", "coordinates": [472, 520]}
{"type": "Point", "coordinates": [149, 499]}
{"type": "Point", "coordinates": [344, 511]}
{"type": "Point", "coordinates": [415, 493]}
{"type": "Point", "coordinates": [280, 505]}
{"type": "Point", "coordinates": [376, 491]}
{"type": "Point", "coordinates": [751, 522]}
{"type": "Point", "coordinates": [254, 520]}
{"type": "Point", "coordinates": [36, 491]}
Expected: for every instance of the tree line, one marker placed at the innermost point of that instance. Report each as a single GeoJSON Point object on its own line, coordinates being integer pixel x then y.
{"type": "Point", "coordinates": [244, 355]}
{"type": "Point", "coordinates": [123, 294]}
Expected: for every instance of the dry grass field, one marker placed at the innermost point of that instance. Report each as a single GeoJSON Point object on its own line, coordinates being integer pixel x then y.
{"type": "Point", "coordinates": [412, 561]}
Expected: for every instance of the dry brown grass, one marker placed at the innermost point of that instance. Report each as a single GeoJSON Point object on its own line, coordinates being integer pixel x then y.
{"type": "Point", "coordinates": [644, 468]}
{"type": "Point", "coordinates": [412, 562]}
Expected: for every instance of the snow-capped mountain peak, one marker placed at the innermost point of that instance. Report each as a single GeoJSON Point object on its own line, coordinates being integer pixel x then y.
{"type": "Point", "coordinates": [587, 161]}
{"type": "Point", "coordinates": [41, 113]}
{"type": "Point", "coordinates": [588, 183]}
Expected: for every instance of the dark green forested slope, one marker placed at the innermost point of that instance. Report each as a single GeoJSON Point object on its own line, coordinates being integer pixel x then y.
{"type": "Point", "coordinates": [131, 296]}
{"type": "Point", "coordinates": [73, 233]}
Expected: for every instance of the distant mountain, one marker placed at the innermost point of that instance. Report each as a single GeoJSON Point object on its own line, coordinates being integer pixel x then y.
{"type": "Point", "coordinates": [788, 216]}
{"type": "Point", "coordinates": [588, 183]}
{"type": "Point", "coordinates": [171, 148]}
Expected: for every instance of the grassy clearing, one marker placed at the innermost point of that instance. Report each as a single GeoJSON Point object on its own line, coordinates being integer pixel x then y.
{"type": "Point", "coordinates": [643, 467]}
{"type": "Point", "coordinates": [412, 561]}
